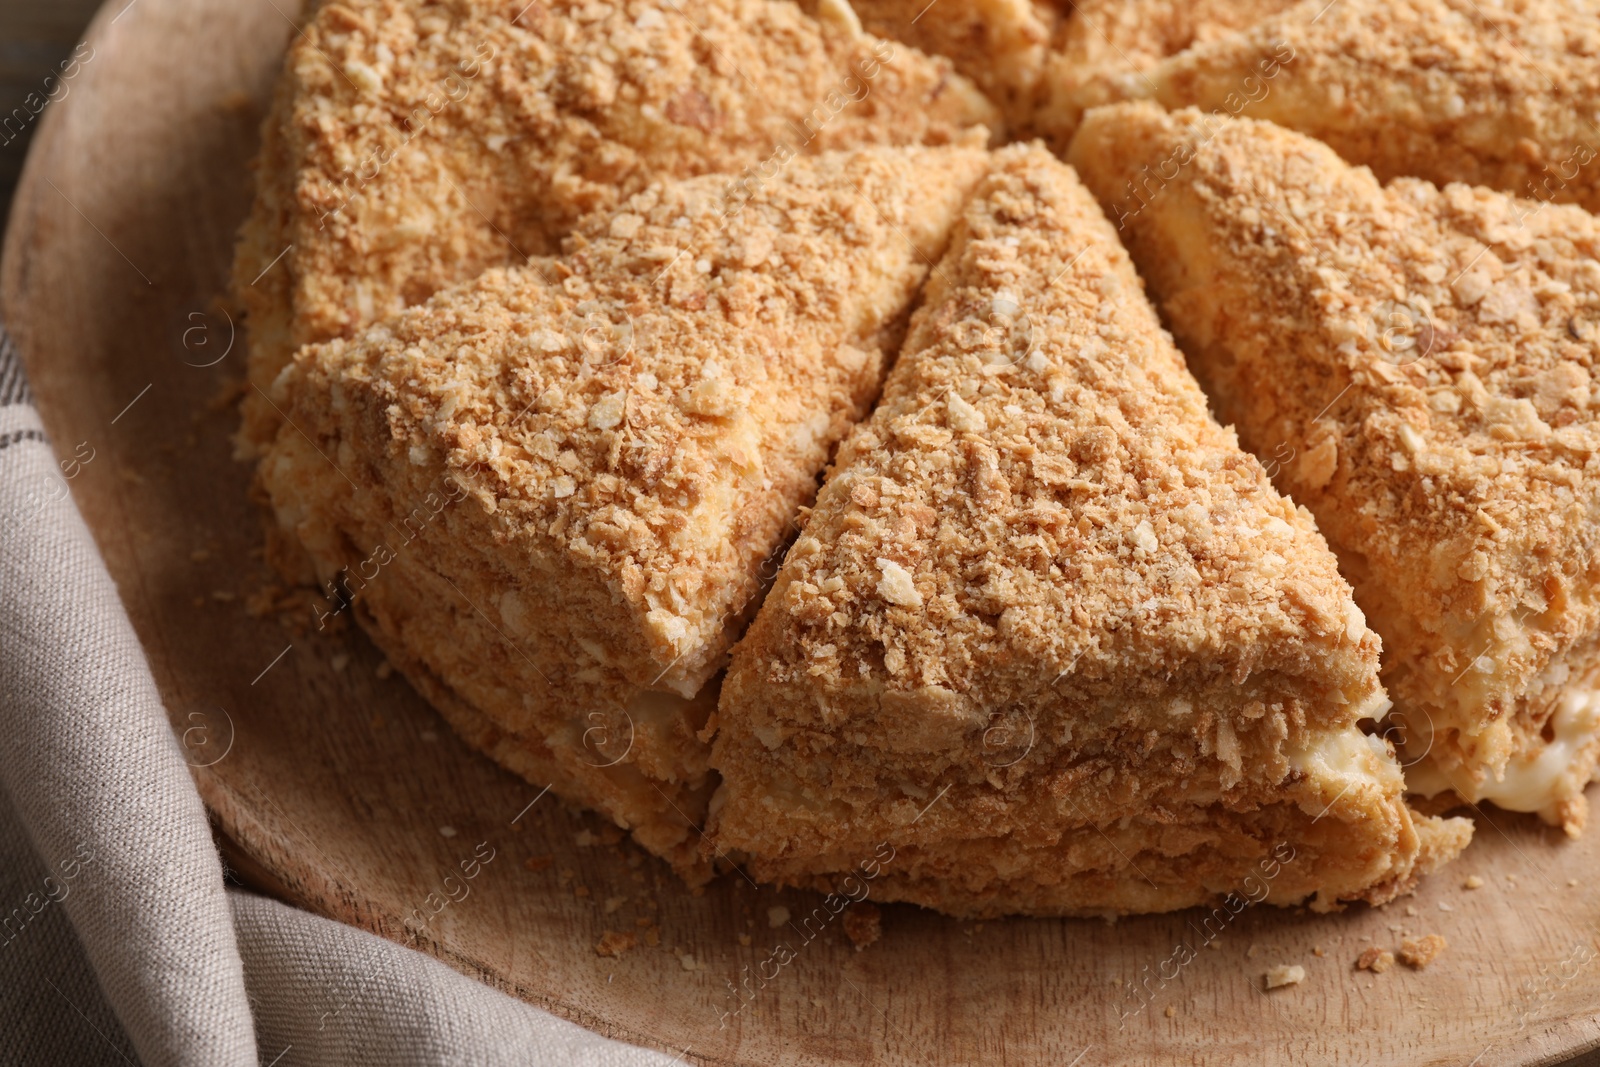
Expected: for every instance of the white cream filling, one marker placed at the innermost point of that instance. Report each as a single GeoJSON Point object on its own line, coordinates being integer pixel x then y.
{"type": "Point", "coordinates": [1348, 757]}
{"type": "Point", "coordinates": [1532, 781]}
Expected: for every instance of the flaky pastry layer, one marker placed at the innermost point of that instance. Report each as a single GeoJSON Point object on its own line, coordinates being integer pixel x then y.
{"type": "Point", "coordinates": [1047, 617]}
{"type": "Point", "coordinates": [1415, 365]}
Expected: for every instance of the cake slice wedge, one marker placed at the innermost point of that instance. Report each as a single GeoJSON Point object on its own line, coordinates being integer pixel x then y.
{"type": "Point", "coordinates": [1416, 366]}
{"type": "Point", "coordinates": [412, 145]}
{"type": "Point", "coordinates": [550, 492]}
{"type": "Point", "coordinates": [1050, 642]}
{"type": "Point", "coordinates": [1504, 95]}
{"type": "Point", "coordinates": [999, 44]}
{"type": "Point", "coordinates": [1105, 51]}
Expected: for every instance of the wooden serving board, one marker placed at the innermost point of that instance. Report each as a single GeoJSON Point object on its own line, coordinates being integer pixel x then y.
{"type": "Point", "coordinates": [349, 794]}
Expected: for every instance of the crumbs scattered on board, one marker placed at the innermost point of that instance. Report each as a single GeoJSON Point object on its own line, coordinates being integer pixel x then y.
{"type": "Point", "coordinates": [1415, 953]}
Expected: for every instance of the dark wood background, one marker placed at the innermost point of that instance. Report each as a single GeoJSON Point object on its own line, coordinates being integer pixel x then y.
{"type": "Point", "coordinates": [35, 36]}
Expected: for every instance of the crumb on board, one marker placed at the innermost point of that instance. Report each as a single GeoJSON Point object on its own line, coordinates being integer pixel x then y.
{"type": "Point", "coordinates": [1285, 974]}
{"type": "Point", "coordinates": [1171, 1012]}
{"type": "Point", "coordinates": [1473, 882]}
{"type": "Point", "coordinates": [1375, 959]}
{"type": "Point", "coordinates": [1316, 950]}
{"type": "Point", "coordinates": [614, 944]}
{"type": "Point", "coordinates": [538, 863]}
{"type": "Point", "coordinates": [863, 925]}
{"type": "Point", "coordinates": [744, 940]}
{"type": "Point", "coordinates": [1420, 952]}
{"type": "Point", "coordinates": [777, 915]}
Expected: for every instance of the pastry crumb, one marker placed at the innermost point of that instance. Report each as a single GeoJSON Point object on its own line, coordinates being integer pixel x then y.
{"type": "Point", "coordinates": [1285, 974]}
{"type": "Point", "coordinates": [1375, 959]}
{"type": "Point", "coordinates": [1417, 953]}
{"type": "Point", "coordinates": [863, 925]}
{"type": "Point", "coordinates": [1473, 882]}
{"type": "Point", "coordinates": [614, 944]}
{"type": "Point", "coordinates": [777, 915]}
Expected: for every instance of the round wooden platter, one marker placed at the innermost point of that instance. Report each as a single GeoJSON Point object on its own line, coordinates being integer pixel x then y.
{"type": "Point", "coordinates": [345, 791]}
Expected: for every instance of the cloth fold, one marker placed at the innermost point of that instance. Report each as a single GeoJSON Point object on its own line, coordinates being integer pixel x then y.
{"type": "Point", "coordinates": [118, 940]}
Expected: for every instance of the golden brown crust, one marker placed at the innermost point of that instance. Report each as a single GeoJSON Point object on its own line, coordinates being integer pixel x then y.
{"type": "Point", "coordinates": [1105, 51]}
{"type": "Point", "coordinates": [1042, 585]}
{"type": "Point", "coordinates": [1416, 363]}
{"type": "Point", "coordinates": [584, 462]}
{"type": "Point", "coordinates": [413, 144]}
{"type": "Point", "coordinates": [1502, 95]}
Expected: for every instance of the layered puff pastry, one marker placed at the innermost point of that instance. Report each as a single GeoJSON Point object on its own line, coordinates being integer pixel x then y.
{"type": "Point", "coordinates": [1415, 364]}
{"type": "Point", "coordinates": [625, 433]}
{"type": "Point", "coordinates": [1502, 95]}
{"type": "Point", "coordinates": [413, 144]}
{"type": "Point", "coordinates": [1049, 633]}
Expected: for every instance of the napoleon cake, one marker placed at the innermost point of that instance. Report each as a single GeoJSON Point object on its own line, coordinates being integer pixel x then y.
{"type": "Point", "coordinates": [1106, 50]}
{"type": "Point", "coordinates": [1000, 44]}
{"type": "Point", "coordinates": [1504, 95]}
{"type": "Point", "coordinates": [1050, 642]}
{"type": "Point", "coordinates": [1416, 364]}
{"type": "Point", "coordinates": [549, 492]}
{"type": "Point", "coordinates": [413, 144]}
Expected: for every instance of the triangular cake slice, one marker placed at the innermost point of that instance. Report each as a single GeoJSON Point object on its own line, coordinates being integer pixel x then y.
{"type": "Point", "coordinates": [1106, 50]}
{"type": "Point", "coordinates": [1050, 642]}
{"type": "Point", "coordinates": [1502, 95]}
{"type": "Point", "coordinates": [1000, 44]}
{"type": "Point", "coordinates": [551, 491]}
{"type": "Point", "coordinates": [1415, 364]}
{"type": "Point", "coordinates": [413, 145]}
